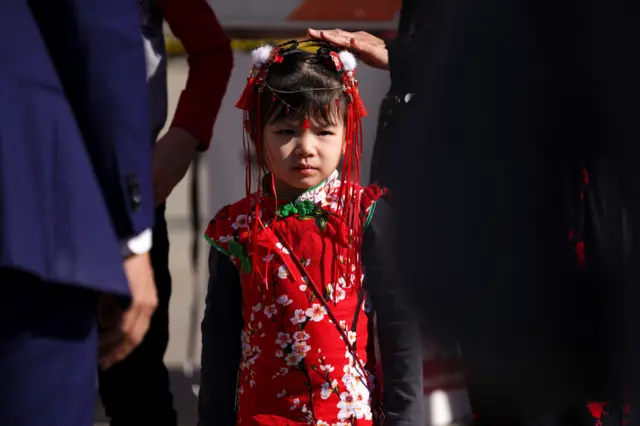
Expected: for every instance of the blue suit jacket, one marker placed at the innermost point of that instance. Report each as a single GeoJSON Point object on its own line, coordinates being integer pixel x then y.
{"type": "Point", "coordinates": [75, 154]}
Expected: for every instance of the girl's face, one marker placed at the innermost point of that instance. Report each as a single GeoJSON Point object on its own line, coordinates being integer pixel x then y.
{"type": "Point", "coordinates": [300, 158]}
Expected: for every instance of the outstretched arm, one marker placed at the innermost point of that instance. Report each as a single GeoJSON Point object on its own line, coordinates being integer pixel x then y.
{"type": "Point", "coordinates": [221, 350]}
{"type": "Point", "coordinates": [210, 60]}
{"type": "Point", "coordinates": [403, 56]}
{"type": "Point", "coordinates": [398, 332]}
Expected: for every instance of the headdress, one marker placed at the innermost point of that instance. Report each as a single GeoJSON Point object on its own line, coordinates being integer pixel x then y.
{"type": "Point", "coordinates": [343, 62]}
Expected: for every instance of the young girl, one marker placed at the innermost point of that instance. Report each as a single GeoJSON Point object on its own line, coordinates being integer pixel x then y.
{"type": "Point", "coordinates": [288, 329]}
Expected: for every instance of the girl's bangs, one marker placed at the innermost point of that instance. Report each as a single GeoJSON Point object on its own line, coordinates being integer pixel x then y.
{"type": "Point", "coordinates": [325, 107]}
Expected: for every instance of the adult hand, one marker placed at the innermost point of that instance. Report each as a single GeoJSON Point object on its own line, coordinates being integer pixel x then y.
{"type": "Point", "coordinates": [172, 157]}
{"type": "Point", "coordinates": [369, 48]}
{"type": "Point", "coordinates": [124, 330]}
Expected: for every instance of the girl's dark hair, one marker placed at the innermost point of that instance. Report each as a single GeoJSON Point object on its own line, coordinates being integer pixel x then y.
{"type": "Point", "coordinates": [304, 83]}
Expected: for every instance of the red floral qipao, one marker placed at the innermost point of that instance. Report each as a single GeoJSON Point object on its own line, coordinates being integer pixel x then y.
{"type": "Point", "coordinates": [296, 367]}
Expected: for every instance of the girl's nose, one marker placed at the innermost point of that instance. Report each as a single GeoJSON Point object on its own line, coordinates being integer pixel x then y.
{"type": "Point", "coordinates": [306, 144]}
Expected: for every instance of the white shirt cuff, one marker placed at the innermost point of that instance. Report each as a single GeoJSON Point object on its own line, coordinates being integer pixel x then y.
{"type": "Point", "coordinates": [140, 244]}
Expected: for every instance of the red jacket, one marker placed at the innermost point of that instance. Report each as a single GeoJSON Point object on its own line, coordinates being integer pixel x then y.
{"type": "Point", "coordinates": [210, 59]}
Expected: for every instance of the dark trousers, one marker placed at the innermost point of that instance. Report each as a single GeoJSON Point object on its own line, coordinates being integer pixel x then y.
{"type": "Point", "coordinates": [137, 390]}
{"type": "Point", "coordinates": [48, 352]}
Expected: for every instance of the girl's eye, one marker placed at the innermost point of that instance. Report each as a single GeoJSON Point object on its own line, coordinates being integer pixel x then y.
{"type": "Point", "coordinates": [325, 133]}
{"type": "Point", "coordinates": [286, 132]}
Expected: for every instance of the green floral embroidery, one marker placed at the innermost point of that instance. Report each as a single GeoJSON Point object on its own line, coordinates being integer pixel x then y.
{"type": "Point", "coordinates": [236, 250]}
{"type": "Point", "coordinates": [305, 209]}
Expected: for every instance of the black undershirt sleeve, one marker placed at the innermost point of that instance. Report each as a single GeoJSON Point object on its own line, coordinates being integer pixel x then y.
{"type": "Point", "coordinates": [221, 348]}
{"type": "Point", "coordinates": [398, 331]}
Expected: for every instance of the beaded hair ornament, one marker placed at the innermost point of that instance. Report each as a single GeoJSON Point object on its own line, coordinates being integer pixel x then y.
{"type": "Point", "coordinates": [344, 63]}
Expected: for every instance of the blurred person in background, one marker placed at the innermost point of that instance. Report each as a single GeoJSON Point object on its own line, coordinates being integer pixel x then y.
{"type": "Point", "coordinates": [76, 206]}
{"type": "Point", "coordinates": [501, 107]}
{"type": "Point", "coordinates": [137, 391]}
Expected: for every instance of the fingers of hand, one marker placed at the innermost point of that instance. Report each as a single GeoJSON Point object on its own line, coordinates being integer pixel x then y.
{"type": "Point", "coordinates": [110, 348]}
{"type": "Point", "coordinates": [116, 345]}
{"type": "Point", "coordinates": [363, 36]}
{"type": "Point", "coordinates": [345, 39]}
{"type": "Point", "coordinates": [357, 46]}
{"type": "Point", "coordinates": [132, 326]}
{"type": "Point", "coordinates": [338, 37]}
{"type": "Point", "coordinates": [109, 338]}
{"type": "Point", "coordinates": [108, 356]}
{"type": "Point", "coordinates": [135, 322]}
{"type": "Point", "coordinates": [113, 344]}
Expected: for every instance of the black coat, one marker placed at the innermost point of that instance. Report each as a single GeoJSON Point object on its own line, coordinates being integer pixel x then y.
{"type": "Point", "coordinates": [512, 99]}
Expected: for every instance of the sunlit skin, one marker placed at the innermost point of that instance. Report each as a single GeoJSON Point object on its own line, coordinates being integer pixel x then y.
{"type": "Point", "coordinates": [301, 158]}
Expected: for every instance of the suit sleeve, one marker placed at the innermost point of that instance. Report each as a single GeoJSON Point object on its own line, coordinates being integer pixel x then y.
{"type": "Point", "coordinates": [210, 59]}
{"type": "Point", "coordinates": [97, 50]}
{"type": "Point", "coordinates": [398, 332]}
{"type": "Point", "coordinates": [221, 350]}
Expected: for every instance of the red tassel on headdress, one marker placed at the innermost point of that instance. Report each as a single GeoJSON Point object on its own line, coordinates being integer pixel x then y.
{"type": "Point", "coordinates": [350, 176]}
{"type": "Point", "coordinates": [360, 110]}
{"type": "Point", "coordinates": [305, 123]}
{"type": "Point", "coordinates": [351, 84]}
{"type": "Point", "coordinates": [247, 98]}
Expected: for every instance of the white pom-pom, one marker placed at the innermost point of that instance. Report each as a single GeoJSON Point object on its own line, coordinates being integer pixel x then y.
{"type": "Point", "coordinates": [349, 62]}
{"type": "Point", "coordinates": [261, 55]}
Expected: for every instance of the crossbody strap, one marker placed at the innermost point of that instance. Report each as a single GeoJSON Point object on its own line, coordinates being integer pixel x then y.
{"type": "Point", "coordinates": [318, 295]}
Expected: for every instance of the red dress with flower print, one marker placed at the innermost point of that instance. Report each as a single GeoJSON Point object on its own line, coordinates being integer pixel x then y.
{"type": "Point", "coordinates": [296, 367]}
